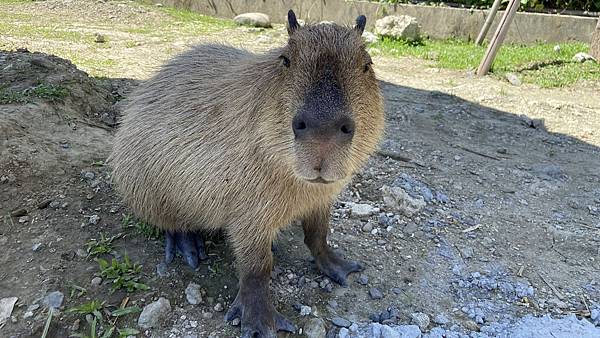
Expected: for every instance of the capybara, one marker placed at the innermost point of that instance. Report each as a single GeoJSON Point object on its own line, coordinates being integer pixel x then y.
{"type": "Point", "coordinates": [222, 138]}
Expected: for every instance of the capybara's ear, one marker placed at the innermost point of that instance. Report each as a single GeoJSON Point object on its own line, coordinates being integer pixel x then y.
{"type": "Point", "coordinates": [361, 21]}
{"type": "Point", "coordinates": [292, 22]}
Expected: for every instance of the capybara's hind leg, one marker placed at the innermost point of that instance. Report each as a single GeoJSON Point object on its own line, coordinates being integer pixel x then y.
{"type": "Point", "coordinates": [316, 227]}
{"type": "Point", "coordinates": [253, 305]}
{"type": "Point", "coordinates": [189, 244]}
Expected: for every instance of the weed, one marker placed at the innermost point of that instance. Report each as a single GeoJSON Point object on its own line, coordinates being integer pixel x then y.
{"type": "Point", "coordinates": [76, 291]}
{"type": "Point", "coordinates": [51, 93]}
{"type": "Point", "coordinates": [8, 96]}
{"type": "Point", "coordinates": [94, 307]}
{"type": "Point", "coordinates": [48, 321]}
{"type": "Point", "coordinates": [124, 275]}
{"type": "Point", "coordinates": [126, 332]}
{"type": "Point", "coordinates": [102, 246]}
{"type": "Point", "coordinates": [147, 230]}
{"type": "Point", "coordinates": [125, 311]}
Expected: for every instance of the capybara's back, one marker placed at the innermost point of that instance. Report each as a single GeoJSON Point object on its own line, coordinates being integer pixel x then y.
{"type": "Point", "coordinates": [224, 138]}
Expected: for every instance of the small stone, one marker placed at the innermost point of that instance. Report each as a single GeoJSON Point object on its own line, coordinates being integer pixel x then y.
{"type": "Point", "coordinates": [96, 281]}
{"type": "Point", "coordinates": [153, 313]}
{"type": "Point", "coordinates": [557, 48]}
{"type": "Point", "coordinates": [99, 38]}
{"type": "Point", "coordinates": [27, 314]}
{"type": "Point", "coordinates": [218, 307]}
{"type": "Point", "coordinates": [340, 322]}
{"type": "Point", "coordinates": [53, 299]}
{"type": "Point", "coordinates": [359, 210]}
{"type": "Point", "coordinates": [6, 308]}
{"type": "Point", "coordinates": [513, 79]}
{"type": "Point", "coordinates": [398, 27]}
{"type": "Point", "coordinates": [353, 327]}
{"type": "Point", "coordinates": [36, 247]}
{"type": "Point", "coordinates": [162, 269]}
{"type": "Point", "coordinates": [375, 293]}
{"type": "Point", "coordinates": [305, 310]}
{"type": "Point", "coordinates": [315, 328]}
{"type": "Point", "coordinates": [253, 19]}
{"type": "Point", "coordinates": [44, 204]}
{"type": "Point", "coordinates": [363, 279]}
{"type": "Point", "coordinates": [55, 204]}
{"type": "Point", "coordinates": [583, 57]}
{"type": "Point", "coordinates": [409, 331]}
{"type": "Point", "coordinates": [368, 227]}
{"type": "Point", "coordinates": [344, 333]}
{"type": "Point", "coordinates": [88, 175]}
{"type": "Point", "coordinates": [75, 326]}
{"type": "Point", "coordinates": [18, 212]}
{"type": "Point", "coordinates": [398, 199]}
{"type": "Point", "coordinates": [441, 319]}
{"type": "Point", "coordinates": [94, 219]}
{"type": "Point", "coordinates": [420, 319]}
{"type": "Point", "coordinates": [388, 332]}
{"type": "Point", "coordinates": [23, 219]}
{"type": "Point", "coordinates": [235, 322]}
{"type": "Point", "coordinates": [81, 253]}
{"type": "Point", "coordinates": [193, 294]}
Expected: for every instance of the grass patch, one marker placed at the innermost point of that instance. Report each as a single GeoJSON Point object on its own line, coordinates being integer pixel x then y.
{"type": "Point", "coordinates": [538, 63]}
{"type": "Point", "coordinates": [100, 246]}
{"type": "Point", "coordinates": [147, 230]}
{"type": "Point", "coordinates": [46, 92]}
{"type": "Point", "coordinates": [123, 274]}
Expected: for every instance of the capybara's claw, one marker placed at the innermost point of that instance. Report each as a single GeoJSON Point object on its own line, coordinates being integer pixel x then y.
{"type": "Point", "coordinates": [337, 268]}
{"type": "Point", "coordinates": [255, 320]}
{"type": "Point", "coordinates": [189, 244]}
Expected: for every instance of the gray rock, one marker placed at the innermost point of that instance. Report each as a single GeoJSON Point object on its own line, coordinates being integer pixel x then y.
{"type": "Point", "coordinates": [193, 294]}
{"type": "Point", "coordinates": [397, 199]}
{"type": "Point", "coordinates": [398, 27]}
{"type": "Point", "coordinates": [36, 247]}
{"type": "Point", "coordinates": [53, 300]}
{"type": "Point", "coordinates": [253, 19]}
{"type": "Point", "coordinates": [340, 322]}
{"type": "Point", "coordinates": [388, 332]}
{"type": "Point", "coordinates": [219, 307]}
{"type": "Point", "coordinates": [409, 331]}
{"type": "Point", "coordinates": [368, 227]}
{"type": "Point", "coordinates": [305, 310]}
{"type": "Point", "coordinates": [369, 37]}
{"type": "Point", "coordinates": [361, 210]}
{"type": "Point", "coordinates": [513, 79]}
{"type": "Point", "coordinates": [344, 333]}
{"type": "Point", "coordinates": [6, 308]}
{"type": "Point", "coordinates": [162, 269]}
{"type": "Point", "coordinates": [375, 293]}
{"type": "Point", "coordinates": [363, 279]}
{"type": "Point", "coordinates": [420, 319]}
{"type": "Point", "coordinates": [441, 319]}
{"type": "Point", "coordinates": [583, 57]}
{"type": "Point", "coordinates": [595, 316]}
{"type": "Point", "coordinates": [96, 281]}
{"type": "Point", "coordinates": [153, 313]}
{"type": "Point", "coordinates": [556, 48]}
{"type": "Point", "coordinates": [94, 219]}
{"type": "Point", "coordinates": [315, 328]}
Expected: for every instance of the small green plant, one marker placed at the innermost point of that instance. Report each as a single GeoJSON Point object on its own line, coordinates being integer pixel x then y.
{"type": "Point", "coordinates": [107, 334]}
{"type": "Point", "coordinates": [93, 308]}
{"type": "Point", "coordinates": [125, 311]}
{"type": "Point", "coordinates": [147, 230]}
{"type": "Point", "coordinates": [76, 291]}
{"type": "Point", "coordinates": [51, 93]}
{"type": "Point", "coordinates": [126, 332]}
{"type": "Point", "coordinates": [8, 96]}
{"type": "Point", "coordinates": [124, 274]}
{"type": "Point", "coordinates": [97, 247]}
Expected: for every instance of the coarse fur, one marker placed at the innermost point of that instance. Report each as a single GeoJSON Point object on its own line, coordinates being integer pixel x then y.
{"type": "Point", "coordinates": [207, 142]}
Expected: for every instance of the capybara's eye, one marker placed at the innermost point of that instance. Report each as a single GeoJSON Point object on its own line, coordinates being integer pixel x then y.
{"type": "Point", "coordinates": [367, 66]}
{"type": "Point", "coordinates": [285, 61]}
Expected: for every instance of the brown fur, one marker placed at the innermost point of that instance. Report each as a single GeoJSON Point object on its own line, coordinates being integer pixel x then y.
{"type": "Point", "coordinates": [207, 142]}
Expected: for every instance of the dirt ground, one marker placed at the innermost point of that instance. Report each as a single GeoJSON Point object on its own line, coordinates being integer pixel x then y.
{"type": "Point", "coordinates": [509, 175]}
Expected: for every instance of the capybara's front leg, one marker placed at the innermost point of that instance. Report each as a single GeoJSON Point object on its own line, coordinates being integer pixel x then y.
{"type": "Point", "coordinates": [252, 304]}
{"type": "Point", "coordinates": [189, 244]}
{"type": "Point", "coordinates": [316, 227]}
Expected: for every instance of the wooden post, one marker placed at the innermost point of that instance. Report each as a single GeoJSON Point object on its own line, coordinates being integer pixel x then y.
{"type": "Point", "coordinates": [488, 22]}
{"type": "Point", "coordinates": [496, 42]}
{"type": "Point", "coordinates": [595, 45]}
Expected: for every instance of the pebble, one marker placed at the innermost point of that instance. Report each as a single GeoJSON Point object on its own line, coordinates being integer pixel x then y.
{"type": "Point", "coordinates": [75, 326]}
{"type": "Point", "coordinates": [99, 38]}
{"type": "Point", "coordinates": [153, 313]}
{"type": "Point", "coordinates": [388, 332]}
{"type": "Point", "coordinates": [6, 308]}
{"type": "Point", "coordinates": [305, 310]}
{"type": "Point", "coordinates": [340, 322]}
{"type": "Point", "coordinates": [363, 279]}
{"type": "Point", "coordinates": [367, 227]}
{"type": "Point", "coordinates": [193, 294]}
{"type": "Point", "coordinates": [235, 322]}
{"type": "Point", "coordinates": [375, 293]}
{"type": "Point", "coordinates": [556, 48]}
{"type": "Point", "coordinates": [93, 219]}
{"type": "Point", "coordinates": [218, 307]}
{"type": "Point", "coordinates": [441, 319]}
{"type": "Point", "coordinates": [23, 219]}
{"type": "Point", "coordinates": [513, 79]}
{"type": "Point", "coordinates": [96, 281]}
{"type": "Point", "coordinates": [54, 299]}
{"type": "Point", "coordinates": [315, 328]}
{"type": "Point", "coordinates": [583, 57]}
{"type": "Point", "coordinates": [396, 198]}
{"type": "Point", "coordinates": [162, 269]}
{"type": "Point", "coordinates": [36, 247]}
{"type": "Point", "coordinates": [420, 319]}
{"type": "Point", "coordinates": [361, 210]}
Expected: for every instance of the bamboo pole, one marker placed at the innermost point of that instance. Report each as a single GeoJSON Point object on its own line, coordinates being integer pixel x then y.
{"type": "Point", "coordinates": [499, 35]}
{"type": "Point", "coordinates": [488, 22]}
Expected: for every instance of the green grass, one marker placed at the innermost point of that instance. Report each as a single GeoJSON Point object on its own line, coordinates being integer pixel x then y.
{"type": "Point", "coordinates": [100, 246]}
{"type": "Point", "coordinates": [147, 230]}
{"type": "Point", "coordinates": [538, 63]}
{"type": "Point", "coordinates": [46, 92]}
{"type": "Point", "coordinates": [123, 274]}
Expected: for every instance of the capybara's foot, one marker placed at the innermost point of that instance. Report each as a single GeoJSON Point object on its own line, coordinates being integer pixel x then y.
{"type": "Point", "coordinates": [337, 268]}
{"type": "Point", "coordinates": [189, 244]}
{"type": "Point", "coordinates": [258, 317]}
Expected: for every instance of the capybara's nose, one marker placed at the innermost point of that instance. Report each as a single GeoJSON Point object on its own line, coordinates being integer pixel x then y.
{"type": "Point", "coordinates": [307, 127]}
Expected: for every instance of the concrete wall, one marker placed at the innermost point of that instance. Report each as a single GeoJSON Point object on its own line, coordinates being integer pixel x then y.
{"type": "Point", "coordinates": [436, 22]}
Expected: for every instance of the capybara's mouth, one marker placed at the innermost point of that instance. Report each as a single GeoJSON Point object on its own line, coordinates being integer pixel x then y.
{"type": "Point", "coordinates": [320, 180]}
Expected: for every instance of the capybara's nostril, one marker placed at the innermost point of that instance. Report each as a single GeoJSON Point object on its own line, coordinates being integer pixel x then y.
{"type": "Point", "coordinates": [346, 128]}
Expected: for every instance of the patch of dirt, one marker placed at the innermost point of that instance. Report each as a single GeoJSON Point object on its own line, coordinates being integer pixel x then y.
{"type": "Point", "coordinates": [517, 235]}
